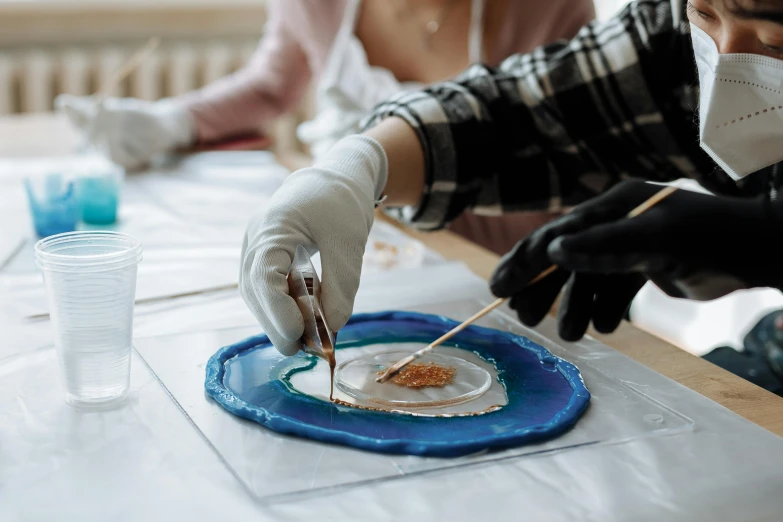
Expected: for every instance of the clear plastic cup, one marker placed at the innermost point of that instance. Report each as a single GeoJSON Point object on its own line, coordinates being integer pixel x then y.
{"type": "Point", "coordinates": [90, 282]}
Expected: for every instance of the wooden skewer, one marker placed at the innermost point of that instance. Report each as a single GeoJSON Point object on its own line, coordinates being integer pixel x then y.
{"type": "Point", "coordinates": [402, 363]}
{"type": "Point", "coordinates": [542, 275]}
{"type": "Point", "coordinates": [657, 198]}
{"type": "Point", "coordinates": [128, 67]}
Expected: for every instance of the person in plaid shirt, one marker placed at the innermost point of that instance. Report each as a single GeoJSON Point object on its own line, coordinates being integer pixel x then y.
{"type": "Point", "coordinates": [551, 129]}
{"type": "Point", "coordinates": [562, 124]}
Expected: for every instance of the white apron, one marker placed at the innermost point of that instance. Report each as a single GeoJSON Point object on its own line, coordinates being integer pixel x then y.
{"type": "Point", "coordinates": [350, 87]}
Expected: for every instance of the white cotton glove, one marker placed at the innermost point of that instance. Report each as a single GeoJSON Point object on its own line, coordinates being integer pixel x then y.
{"type": "Point", "coordinates": [130, 131]}
{"type": "Point", "coordinates": [328, 207]}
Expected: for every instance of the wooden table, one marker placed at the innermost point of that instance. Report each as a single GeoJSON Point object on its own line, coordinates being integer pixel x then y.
{"type": "Point", "coordinates": [48, 135]}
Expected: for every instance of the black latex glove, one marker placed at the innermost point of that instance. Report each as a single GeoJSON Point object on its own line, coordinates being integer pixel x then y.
{"type": "Point", "coordinates": [690, 244]}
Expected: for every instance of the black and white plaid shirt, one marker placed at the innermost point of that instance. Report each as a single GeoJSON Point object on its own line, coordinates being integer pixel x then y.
{"type": "Point", "coordinates": [555, 127]}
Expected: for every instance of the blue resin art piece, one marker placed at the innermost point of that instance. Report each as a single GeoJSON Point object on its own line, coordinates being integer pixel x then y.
{"type": "Point", "coordinates": [546, 395]}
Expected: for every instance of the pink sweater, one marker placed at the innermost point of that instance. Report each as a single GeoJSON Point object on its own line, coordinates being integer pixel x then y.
{"type": "Point", "coordinates": [296, 43]}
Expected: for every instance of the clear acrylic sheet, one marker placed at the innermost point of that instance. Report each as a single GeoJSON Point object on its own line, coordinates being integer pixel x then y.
{"type": "Point", "coordinates": [162, 273]}
{"type": "Point", "coordinates": [180, 269]}
{"type": "Point", "coordinates": [272, 466]}
{"type": "Point", "coordinates": [140, 462]}
{"type": "Point", "coordinates": [190, 215]}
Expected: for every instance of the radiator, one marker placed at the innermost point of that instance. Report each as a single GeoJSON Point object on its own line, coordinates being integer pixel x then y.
{"type": "Point", "coordinates": [31, 78]}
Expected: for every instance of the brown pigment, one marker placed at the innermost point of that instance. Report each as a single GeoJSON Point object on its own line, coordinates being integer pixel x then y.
{"type": "Point", "coordinates": [423, 375]}
{"type": "Point", "coordinates": [414, 376]}
{"type": "Point", "coordinates": [381, 245]}
{"type": "Point", "coordinates": [328, 351]}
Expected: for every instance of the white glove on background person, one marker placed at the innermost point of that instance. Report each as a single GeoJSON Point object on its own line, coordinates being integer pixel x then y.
{"type": "Point", "coordinates": [130, 132]}
{"type": "Point", "coordinates": [328, 207]}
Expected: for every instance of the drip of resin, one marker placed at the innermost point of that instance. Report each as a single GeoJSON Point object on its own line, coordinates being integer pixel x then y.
{"type": "Point", "coordinates": [318, 339]}
{"type": "Point", "coordinates": [331, 379]}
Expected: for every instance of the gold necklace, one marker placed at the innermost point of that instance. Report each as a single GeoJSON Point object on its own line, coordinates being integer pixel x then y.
{"type": "Point", "coordinates": [432, 27]}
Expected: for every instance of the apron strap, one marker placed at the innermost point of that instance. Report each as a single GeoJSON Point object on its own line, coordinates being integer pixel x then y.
{"type": "Point", "coordinates": [476, 32]}
{"type": "Point", "coordinates": [332, 68]}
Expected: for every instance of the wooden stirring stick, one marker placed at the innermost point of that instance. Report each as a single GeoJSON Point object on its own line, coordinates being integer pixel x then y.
{"type": "Point", "coordinates": [128, 67]}
{"type": "Point", "coordinates": [402, 363]}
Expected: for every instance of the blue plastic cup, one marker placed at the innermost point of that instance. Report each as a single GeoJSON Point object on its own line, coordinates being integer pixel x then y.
{"type": "Point", "coordinates": [53, 204]}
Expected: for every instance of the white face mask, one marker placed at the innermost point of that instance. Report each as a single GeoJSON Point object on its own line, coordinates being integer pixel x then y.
{"type": "Point", "coordinates": [740, 107]}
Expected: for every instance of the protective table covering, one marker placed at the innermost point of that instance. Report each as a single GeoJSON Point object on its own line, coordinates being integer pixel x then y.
{"type": "Point", "coordinates": [170, 453]}
{"type": "Point", "coordinates": [146, 460]}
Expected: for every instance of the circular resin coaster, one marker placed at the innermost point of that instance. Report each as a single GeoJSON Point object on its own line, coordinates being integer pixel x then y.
{"type": "Point", "coordinates": [544, 395]}
{"type": "Point", "coordinates": [433, 381]}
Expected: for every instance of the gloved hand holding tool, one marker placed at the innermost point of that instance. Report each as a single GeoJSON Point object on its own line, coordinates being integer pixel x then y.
{"type": "Point", "coordinates": [691, 245]}
{"type": "Point", "coordinates": [328, 207]}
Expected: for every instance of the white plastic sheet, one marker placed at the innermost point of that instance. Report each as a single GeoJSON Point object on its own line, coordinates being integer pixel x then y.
{"type": "Point", "coordinates": [148, 461]}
